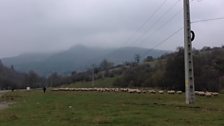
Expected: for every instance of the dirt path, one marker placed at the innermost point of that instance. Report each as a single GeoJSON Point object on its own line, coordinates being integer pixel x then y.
{"type": "Point", "coordinates": [3, 105]}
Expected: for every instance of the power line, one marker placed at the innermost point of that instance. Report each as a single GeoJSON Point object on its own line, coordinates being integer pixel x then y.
{"type": "Point", "coordinates": [197, 0]}
{"type": "Point", "coordinates": [174, 33]}
{"type": "Point", "coordinates": [163, 41]}
{"type": "Point", "coordinates": [169, 20]}
{"type": "Point", "coordinates": [206, 20]}
{"type": "Point", "coordinates": [163, 25]}
{"type": "Point", "coordinates": [155, 23]}
{"type": "Point", "coordinates": [147, 20]}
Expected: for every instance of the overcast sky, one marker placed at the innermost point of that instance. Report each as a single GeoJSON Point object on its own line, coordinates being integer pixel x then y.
{"type": "Point", "coordinates": [51, 25]}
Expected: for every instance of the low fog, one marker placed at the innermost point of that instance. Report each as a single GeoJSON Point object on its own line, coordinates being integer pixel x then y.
{"type": "Point", "coordinates": [53, 25]}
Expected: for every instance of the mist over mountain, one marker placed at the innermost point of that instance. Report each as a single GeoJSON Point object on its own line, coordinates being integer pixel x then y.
{"type": "Point", "coordinates": [77, 58]}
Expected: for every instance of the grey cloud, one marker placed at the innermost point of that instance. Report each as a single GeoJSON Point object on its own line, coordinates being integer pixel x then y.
{"type": "Point", "coordinates": [50, 25]}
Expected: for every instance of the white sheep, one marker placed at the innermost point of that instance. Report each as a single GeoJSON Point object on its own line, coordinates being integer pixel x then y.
{"type": "Point", "coordinates": [200, 93]}
{"type": "Point", "coordinates": [215, 93]}
{"type": "Point", "coordinates": [131, 90]}
{"type": "Point", "coordinates": [28, 88]}
{"type": "Point", "coordinates": [179, 92]}
{"type": "Point", "coordinates": [152, 91]}
{"type": "Point", "coordinates": [161, 92]}
{"type": "Point", "coordinates": [171, 92]}
{"type": "Point", "coordinates": [208, 94]}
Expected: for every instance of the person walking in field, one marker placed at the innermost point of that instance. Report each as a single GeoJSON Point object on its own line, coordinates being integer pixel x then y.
{"type": "Point", "coordinates": [44, 89]}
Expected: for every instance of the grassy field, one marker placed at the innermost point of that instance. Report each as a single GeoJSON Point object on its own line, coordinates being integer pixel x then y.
{"type": "Point", "coordinates": [109, 109]}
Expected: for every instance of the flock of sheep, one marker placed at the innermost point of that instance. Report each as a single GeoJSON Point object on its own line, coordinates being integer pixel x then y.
{"type": "Point", "coordinates": [207, 94]}
{"type": "Point", "coordinates": [137, 91]}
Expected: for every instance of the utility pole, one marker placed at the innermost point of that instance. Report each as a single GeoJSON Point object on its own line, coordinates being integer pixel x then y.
{"type": "Point", "coordinates": [188, 60]}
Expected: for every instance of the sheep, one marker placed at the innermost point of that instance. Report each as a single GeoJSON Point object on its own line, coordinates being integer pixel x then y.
{"type": "Point", "coordinates": [134, 91]}
{"type": "Point", "coordinates": [215, 93]}
{"type": "Point", "coordinates": [28, 88]}
{"type": "Point", "coordinates": [171, 92]}
{"type": "Point", "coordinates": [131, 90]}
{"type": "Point", "coordinates": [161, 92]}
{"type": "Point", "coordinates": [124, 90]}
{"type": "Point", "coordinates": [138, 91]}
{"type": "Point", "coordinates": [208, 94]}
{"type": "Point", "coordinates": [101, 90]}
{"type": "Point", "coordinates": [152, 91]}
{"type": "Point", "coordinates": [179, 92]}
{"type": "Point", "coordinates": [70, 89]}
{"type": "Point", "coordinates": [116, 90]}
{"type": "Point", "coordinates": [200, 93]}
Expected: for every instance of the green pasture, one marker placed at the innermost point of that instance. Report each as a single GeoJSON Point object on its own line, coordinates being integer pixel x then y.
{"type": "Point", "coordinates": [34, 108]}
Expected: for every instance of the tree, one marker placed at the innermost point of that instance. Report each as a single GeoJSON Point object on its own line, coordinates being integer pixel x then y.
{"type": "Point", "coordinates": [137, 58]}
{"type": "Point", "coordinates": [55, 80]}
{"type": "Point", "coordinates": [1, 62]}
{"type": "Point", "coordinates": [12, 67]}
{"type": "Point", "coordinates": [105, 66]}
{"type": "Point", "coordinates": [138, 76]}
{"type": "Point", "coordinates": [32, 79]}
{"type": "Point", "coordinates": [148, 59]}
{"type": "Point", "coordinates": [174, 71]}
{"type": "Point", "coordinates": [168, 71]}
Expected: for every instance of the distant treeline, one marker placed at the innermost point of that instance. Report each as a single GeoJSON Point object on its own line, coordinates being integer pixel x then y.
{"type": "Point", "coordinates": [11, 79]}
{"type": "Point", "coordinates": [165, 72]}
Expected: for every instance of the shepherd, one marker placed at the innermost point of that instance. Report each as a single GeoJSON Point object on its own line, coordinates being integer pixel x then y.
{"type": "Point", "coordinates": [44, 89]}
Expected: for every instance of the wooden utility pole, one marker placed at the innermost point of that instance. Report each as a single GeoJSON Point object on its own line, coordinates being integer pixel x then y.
{"type": "Point", "coordinates": [189, 72]}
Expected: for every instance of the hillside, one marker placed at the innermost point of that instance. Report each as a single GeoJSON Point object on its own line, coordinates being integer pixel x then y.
{"type": "Point", "coordinates": [77, 58]}
{"type": "Point", "coordinates": [167, 71]}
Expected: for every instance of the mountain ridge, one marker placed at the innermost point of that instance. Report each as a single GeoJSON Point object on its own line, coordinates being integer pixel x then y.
{"type": "Point", "coordinates": [76, 58]}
